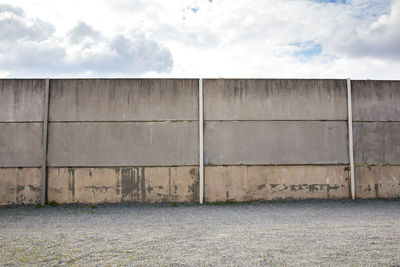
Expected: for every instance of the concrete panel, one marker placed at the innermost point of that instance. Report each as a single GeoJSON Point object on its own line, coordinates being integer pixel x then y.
{"type": "Point", "coordinates": [123, 99]}
{"type": "Point", "coordinates": [111, 185]}
{"type": "Point", "coordinates": [21, 100]}
{"type": "Point", "coordinates": [376, 100]}
{"type": "Point", "coordinates": [255, 99]}
{"type": "Point", "coordinates": [123, 144]}
{"type": "Point", "coordinates": [377, 181]}
{"type": "Point", "coordinates": [376, 142]}
{"type": "Point", "coordinates": [20, 185]}
{"type": "Point", "coordinates": [246, 183]}
{"type": "Point", "coordinates": [277, 142]}
{"type": "Point", "coordinates": [20, 144]}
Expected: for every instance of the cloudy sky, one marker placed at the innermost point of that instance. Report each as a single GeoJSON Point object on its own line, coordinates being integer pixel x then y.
{"type": "Point", "coordinates": [359, 39]}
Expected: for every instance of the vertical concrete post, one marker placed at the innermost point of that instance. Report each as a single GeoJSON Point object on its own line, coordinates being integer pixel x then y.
{"type": "Point", "coordinates": [44, 142]}
{"type": "Point", "coordinates": [350, 126]}
{"type": "Point", "coordinates": [201, 143]}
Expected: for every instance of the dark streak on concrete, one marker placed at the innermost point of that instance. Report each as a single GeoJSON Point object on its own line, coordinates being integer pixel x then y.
{"type": "Point", "coordinates": [284, 188]}
{"type": "Point", "coordinates": [99, 188]}
{"type": "Point", "coordinates": [169, 183]}
{"type": "Point", "coordinates": [118, 184]}
{"type": "Point", "coordinates": [273, 185]}
{"type": "Point", "coordinates": [20, 188]}
{"type": "Point", "coordinates": [34, 189]}
{"type": "Point", "coordinates": [142, 184]}
{"type": "Point", "coordinates": [309, 187]}
{"type": "Point", "coordinates": [261, 187]}
{"type": "Point", "coordinates": [194, 188]}
{"type": "Point", "coordinates": [376, 186]}
{"type": "Point", "coordinates": [127, 183]}
{"type": "Point", "coordinates": [71, 181]}
{"type": "Point", "coordinates": [333, 187]}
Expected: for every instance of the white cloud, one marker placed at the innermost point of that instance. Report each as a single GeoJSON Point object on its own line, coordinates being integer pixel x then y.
{"type": "Point", "coordinates": [29, 48]}
{"type": "Point", "coordinates": [221, 38]}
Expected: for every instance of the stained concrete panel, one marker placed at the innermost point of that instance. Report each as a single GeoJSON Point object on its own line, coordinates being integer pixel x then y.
{"type": "Point", "coordinates": [376, 142]}
{"type": "Point", "coordinates": [377, 181]}
{"type": "Point", "coordinates": [376, 100]}
{"type": "Point", "coordinates": [20, 144]}
{"type": "Point", "coordinates": [275, 142]}
{"type": "Point", "coordinates": [21, 100]}
{"type": "Point", "coordinates": [123, 144]}
{"type": "Point", "coordinates": [20, 186]}
{"type": "Point", "coordinates": [256, 99]}
{"type": "Point", "coordinates": [130, 184]}
{"type": "Point", "coordinates": [247, 183]}
{"type": "Point", "coordinates": [123, 99]}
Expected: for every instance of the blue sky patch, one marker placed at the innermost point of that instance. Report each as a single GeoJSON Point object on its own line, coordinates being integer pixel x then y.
{"type": "Point", "coordinates": [307, 50]}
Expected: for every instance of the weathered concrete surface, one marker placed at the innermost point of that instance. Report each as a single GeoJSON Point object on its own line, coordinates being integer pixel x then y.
{"type": "Point", "coordinates": [246, 183]}
{"type": "Point", "coordinates": [283, 99]}
{"type": "Point", "coordinates": [123, 99]}
{"type": "Point", "coordinates": [376, 142]}
{"type": "Point", "coordinates": [150, 184]}
{"type": "Point", "coordinates": [277, 142]}
{"type": "Point", "coordinates": [20, 185]}
{"type": "Point", "coordinates": [123, 144]}
{"type": "Point", "coordinates": [376, 100]}
{"type": "Point", "coordinates": [21, 100]}
{"type": "Point", "coordinates": [20, 144]}
{"type": "Point", "coordinates": [377, 181]}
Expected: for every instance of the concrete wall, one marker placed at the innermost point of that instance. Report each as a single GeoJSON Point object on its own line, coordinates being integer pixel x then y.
{"type": "Point", "coordinates": [123, 99]}
{"type": "Point", "coordinates": [109, 140]}
{"type": "Point", "coordinates": [376, 115]}
{"type": "Point", "coordinates": [21, 124]}
{"type": "Point", "coordinates": [251, 124]}
{"type": "Point", "coordinates": [137, 140]}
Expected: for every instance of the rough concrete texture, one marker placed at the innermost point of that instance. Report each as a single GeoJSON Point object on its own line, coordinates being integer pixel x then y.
{"type": "Point", "coordinates": [247, 183]}
{"type": "Point", "coordinates": [111, 185]}
{"type": "Point", "coordinates": [275, 142]}
{"type": "Point", "coordinates": [376, 100]}
{"type": "Point", "coordinates": [304, 233]}
{"type": "Point", "coordinates": [123, 144]}
{"type": "Point", "coordinates": [20, 144]}
{"type": "Point", "coordinates": [377, 181]}
{"type": "Point", "coordinates": [20, 185]}
{"type": "Point", "coordinates": [123, 99]}
{"type": "Point", "coordinates": [261, 99]}
{"type": "Point", "coordinates": [376, 142]}
{"type": "Point", "coordinates": [21, 100]}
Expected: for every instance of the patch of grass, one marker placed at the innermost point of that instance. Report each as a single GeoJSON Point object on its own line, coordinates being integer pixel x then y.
{"type": "Point", "coordinates": [38, 206]}
{"type": "Point", "coordinates": [93, 207]}
{"type": "Point", "coordinates": [53, 203]}
{"type": "Point", "coordinates": [173, 204]}
{"type": "Point", "coordinates": [226, 202]}
{"type": "Point", "coordinates": [7, 206]}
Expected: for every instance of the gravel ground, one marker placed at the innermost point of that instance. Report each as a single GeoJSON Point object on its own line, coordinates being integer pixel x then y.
{"type": "Point", "coordinates": [303, 233]}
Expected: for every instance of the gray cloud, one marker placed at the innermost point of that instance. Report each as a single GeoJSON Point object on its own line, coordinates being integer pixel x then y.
{"type": "Point", "coordinates": [15, 10]}
{"type": "Point", "coordinates": [82, 31]}
{"type": "Point", "coordinates": [29, 48]}
{"type": "Point", "coordinates": [14, 26]}
{"type": "Point", "coordinates": [380, 40]}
